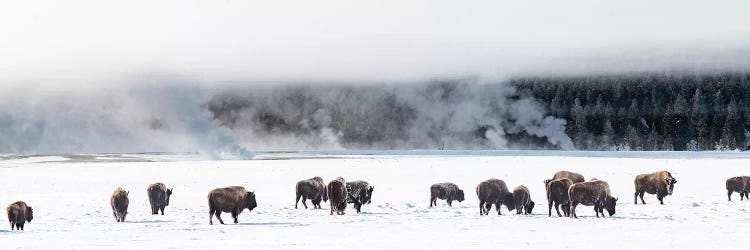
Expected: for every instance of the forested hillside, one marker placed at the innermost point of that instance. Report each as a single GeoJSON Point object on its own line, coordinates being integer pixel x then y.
{"type": "Point", "coordinates": [648, 111]}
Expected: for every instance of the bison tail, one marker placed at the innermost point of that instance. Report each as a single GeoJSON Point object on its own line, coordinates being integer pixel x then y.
{"type": "Point", "coordinates": [210, 203]}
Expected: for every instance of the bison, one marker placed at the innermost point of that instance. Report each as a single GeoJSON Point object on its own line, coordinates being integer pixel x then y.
{"type": "Point", "coordinates": [445, 191]}
{"type": "Point", "coordinates": [233, 199]}
{"type": "Point", "coordinates": [522, 200]}
{"type": "Point", "coordinates": [359, 193]}
{"type": "Point", "coordinates": [660, 183]}
{"type": "Point", "coordinates": [18, 214]}
{"type": "Point", "coordinates": [494, 191]}
{"type": "Point", "coordinates": [337, 195]}
{"type": "Point", "coordinates": [592, 193]}
{"type": "Point", "coordinates": [557, 194]}
{"type": "Point", "coordinates": [119, 202]}
{"type": "Point", "coordinates": [739, 184]}
{"type": "Point", "coordinates": [574, 177]}
{"type": "Point", "coordinates": [313, 189]}
{"type": "Point", "coordinates": [158, 197]}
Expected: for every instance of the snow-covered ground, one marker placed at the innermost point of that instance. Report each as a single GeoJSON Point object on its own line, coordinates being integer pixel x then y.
{"type": "Point", "coordinates": [70, 197]}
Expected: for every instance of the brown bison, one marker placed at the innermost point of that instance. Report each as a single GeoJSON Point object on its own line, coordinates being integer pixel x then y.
{"type": "Point", "coordinates": [557, 194]}
{"type": "Point", "coordinates": [337, 195]}
{"type": "Point", "coordinates": [359, 193]}
{"type": "Point", "coordinates": [158, 197]}
{"type": "Point", "coordinates": [660, 183]}
{"type": "Point", "coordinates": [494, 191]}
{"type": "Point", "coordinates": [592, 193]}
{"type": "Point", "coordinates": [18, 214]}
{"type": "Point", "coordinates": [313, 189]}
{"type": "Point", "coordinates": [233, 199]}
{"type": "Point", "coordinates": [522, 200]}
{"type": "Point", "coordinates": [119, 202]}
{"type": "Point", "coordinates": [574, 177]}
{"type": "Point", "coordinates": [739, 184]}
{"type": "Point", "coordinates": [445, 191]}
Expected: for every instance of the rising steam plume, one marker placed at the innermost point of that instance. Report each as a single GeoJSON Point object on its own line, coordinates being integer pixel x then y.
{"type": "Point", "coordinates": [456, 114]}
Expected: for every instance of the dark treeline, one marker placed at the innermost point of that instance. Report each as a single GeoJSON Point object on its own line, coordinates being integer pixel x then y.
{"type": "Point", "coordinates": [648, 111]}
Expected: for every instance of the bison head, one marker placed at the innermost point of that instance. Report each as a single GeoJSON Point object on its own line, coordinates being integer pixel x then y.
{"type": "Point", "coordinates": [610, 204]}
{"type": "Point", "coordinates": [506, 200]}
{"type": "Point", "coordinates": [369, 194]}
{"type": "Point", "coordinates": [324, 195]}
{"type": "Point", "coordinates": [250, 203]}
{"type": "Point", "coordinates": [670, 184]}
{"type": "Point", "coordinates": [166, 200]}
{"type": "Point", "coordinates": [29, 214]}
{"type": "Point", "coordinates": [460, 195]}
{"type": "Point", "coordinates": [530, 207]}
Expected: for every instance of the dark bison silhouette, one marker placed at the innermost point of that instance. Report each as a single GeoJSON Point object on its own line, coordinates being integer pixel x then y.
{"type": "Point", "coordinates": [359, 193]}
{"type": "Point", "coordinates": [445, 191]}
{"type": "Point", "coordinates": [660, 183]}
{"type": "Point", "coordinates": [313, 189]}
{"type": "Point", "coordinates": [522, 200]}
{"type": "Point", "coordinates": [557, 194]}
{"type": "Point", "coordinates": [119, 202]}
{"type": "Point", "coordinates": [233, 199]}
{"type": "Point", "coordinates": [739, 184]}
{"type": "Point", "coordinates": [18, 214]}
{"type": "Point", "coordinates": [494, 191]}
{"type": "Point", "coordinates": [337, 195]}
{"type": "Point", "coordinates": [592, 193]}
{"type": "Point", "coordinates": [158, 197]}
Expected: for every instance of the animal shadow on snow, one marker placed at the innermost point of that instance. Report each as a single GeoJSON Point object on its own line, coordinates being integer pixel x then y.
{"type": "Point", "coordinates": [283, 224]}
{"type": "Point", "coordinates": [148, 221]}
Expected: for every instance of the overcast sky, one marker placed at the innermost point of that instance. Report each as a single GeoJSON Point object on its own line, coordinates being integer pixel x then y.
{"type": "Point", "coordinates": [382, 40]}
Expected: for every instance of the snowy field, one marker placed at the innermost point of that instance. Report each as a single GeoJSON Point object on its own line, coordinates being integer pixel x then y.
{"type": "Point", "coordinates": [70, 197]}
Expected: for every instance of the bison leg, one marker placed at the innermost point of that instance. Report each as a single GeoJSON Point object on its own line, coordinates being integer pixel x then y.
{"type": "Point", "coordinates": [641, 196]}
{"type": "Point", "coordinates": [518, 208]}
{"type": "Point", "coordinates": [304, 199]}
{"type": "Point", "coordinates": [549, 208]}
{"type": "Point", "coordinates": [596, 210]}
{"type": "Point", "coordinates": [481, 207]}
{"type": "Point", "coordinates": [316, 203]}
{"type": "Point", "coordinates": [12, 226]}
{"type": "Point", "coordinates": [332, 204]}
{"type": "Point", "coordinates": [450, 202]}
{"type": "Point", "coordinates": [358, 207]}
{"type": "Point", "coordinates": [123, 216]}
{"type": "Point", "coordinates": [729, 195]}
{"type": "Point", "coordinates": [218, 216]}
{"type": "Point", "coordinates": [210, 216]}
{"type": "Point", "coordinates": [661, 198]}
{"type": "Point", "coordinates": [573, 210]}
{"type": "Point", "coordinates": [297, 201]}
{"type": "Point", "coordinates": [566, 210]}
{"type": "Point", "coordinates": [162, 210]}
